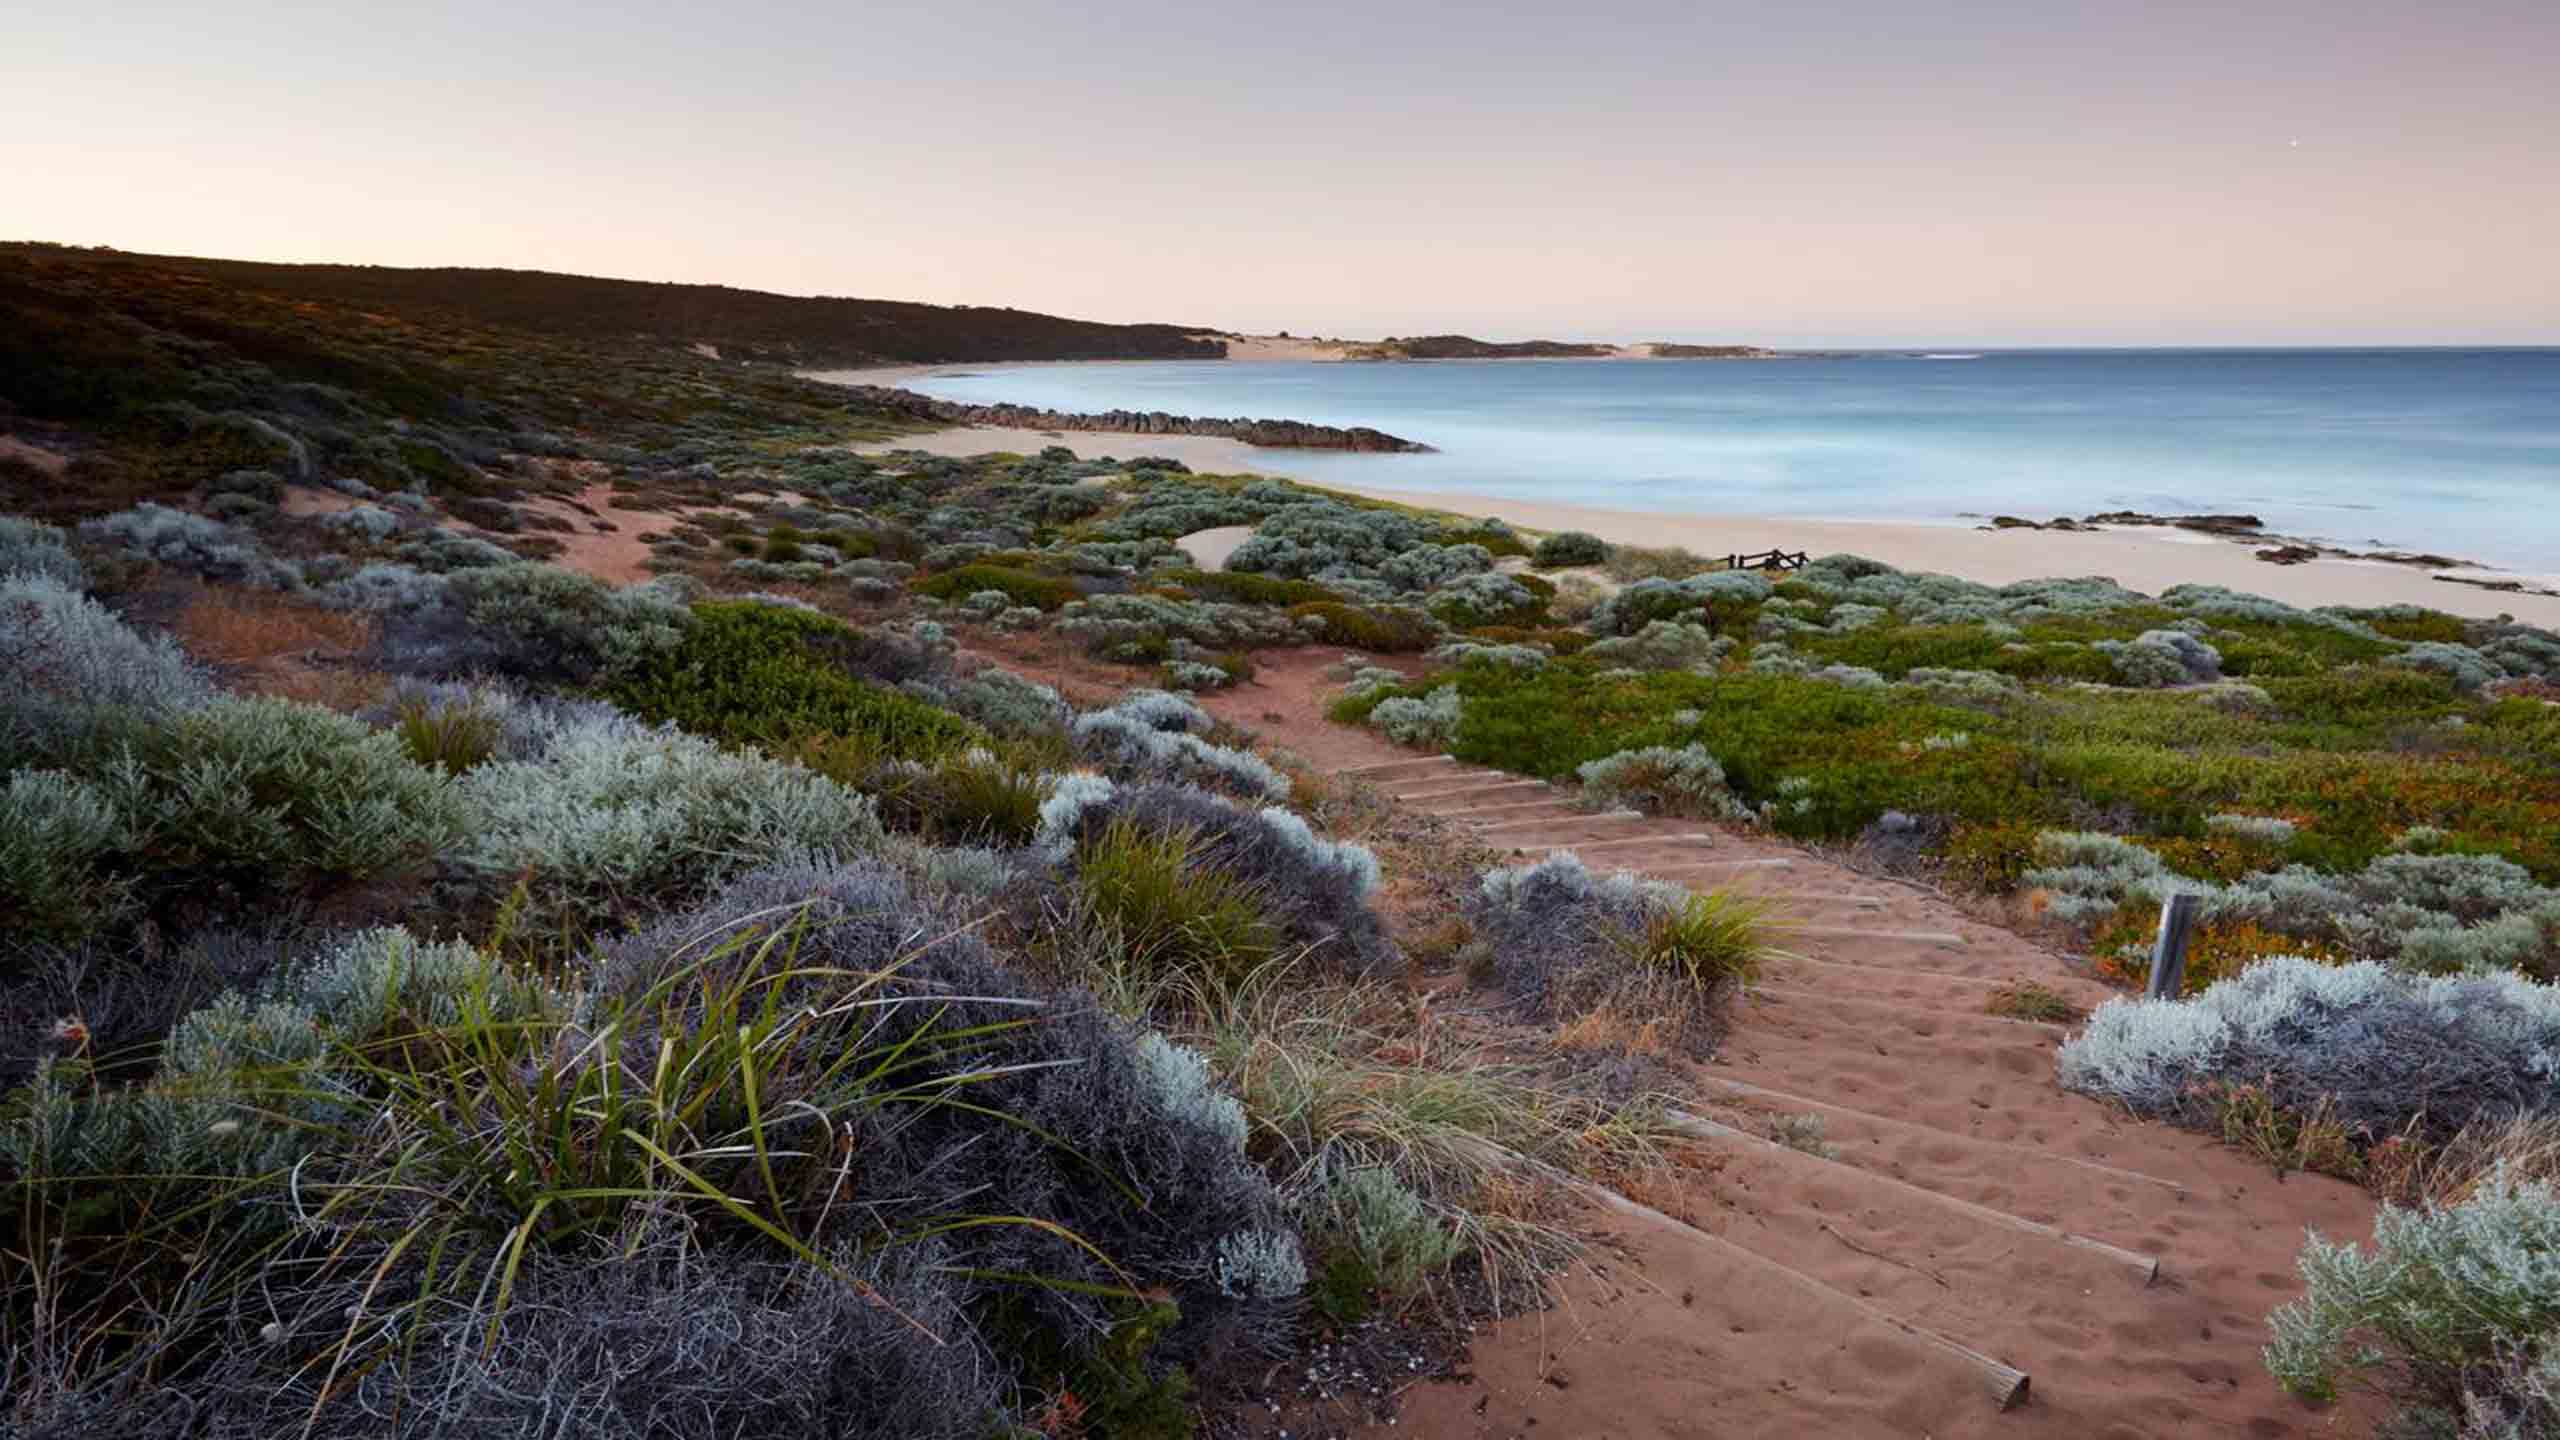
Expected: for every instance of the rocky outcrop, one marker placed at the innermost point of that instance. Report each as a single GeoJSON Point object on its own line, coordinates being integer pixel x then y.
{"type": "Point", "coordinates": [1277, 434]}
{"type": "Point", "coordinates": [2209, 524]}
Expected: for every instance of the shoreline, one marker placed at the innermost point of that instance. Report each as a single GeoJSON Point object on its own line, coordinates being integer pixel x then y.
{"type": "Point", "coordinates": [2145, 558]}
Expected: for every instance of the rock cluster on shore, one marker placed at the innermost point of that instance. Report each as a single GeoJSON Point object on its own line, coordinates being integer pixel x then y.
{"type": "Point", "coordinates": [1277, 434]}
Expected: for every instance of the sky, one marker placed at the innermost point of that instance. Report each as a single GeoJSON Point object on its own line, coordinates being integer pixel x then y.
{"type": "Point", "coordinates": [1840, 172]}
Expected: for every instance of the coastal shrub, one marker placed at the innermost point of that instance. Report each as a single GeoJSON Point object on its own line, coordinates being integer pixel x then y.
{"type": "Point", "coordinates": [2449, 1296]}
{"type": "Point", "coordinates": [267, 794]}
{"type": "Point", "coordinates": [1018, 586]}
{"type": "Point", "coordinates": [1003, 702]}
{"type": "Point", "coordinates": [1194, 675]}
{"type": "Point", "coordinates": [1239, 587]}
{"type": "Point", "coordinates": [1663, 645]}
{"type": "Point", "coordinates": [2467, 668]}
{"type": "Point", "coordinates": [2433, 913]}
{"type": "Point", "coordinates": [1430, 720]}
{"type": "Point", "coordinates": [1567, 548]}
{"type": "Point", "coordinates": [1470, 652]}
{"type": "Point", "coordinates": [536, 623]}
{"type": "Point", "coordinates": [1645, 601]}
{"type": "Point", "coordinates": [69, 665]}
{"type": "Point", "coordinates": [1659, 780]}
{"type": "Point", "coordinates": [1129, 741]}
{"type": "Point", "coordinates": [1484, 598]}
{"type": "Point", "coordinates": [804, 1011]}
{"type": "Point", "coordinates": [1433, 567]}
{"type": "Point", "coordinates": [1391, 1238]}
{"type": "Point", "coordinates": [1567, 943]}
{"type": "Point", "coordinates": [2159, 658]}
{"type": "Point", "coordinates": [1324, 539]}
{"type": "Point", "coordinates": [613, 818]}
{"type": "Point", "coordinates": [2383, 1052]}
{"type": "Point", "coordinates": [1962, 687]}
{"type": "Point", "coordinates": [31, 547]}
{"type": "Point", "coordinates": [746, 673]}
{"type": "Point", "coordinates": [1378, 629]}
{"type": "Point", "coordinates": [57, 835]}
{"type": "Point", "coordinates": [1143, 628]}
{"type": "Point", "coordinates": [185, 541]}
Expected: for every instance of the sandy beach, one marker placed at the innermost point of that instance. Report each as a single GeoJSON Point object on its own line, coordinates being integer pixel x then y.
{"type": "Point", "coordinates": [2145, 558]}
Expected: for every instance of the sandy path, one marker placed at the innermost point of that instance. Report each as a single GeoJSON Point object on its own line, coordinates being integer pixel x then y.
{"type": "Point", "coordinates": [1928, 1101]}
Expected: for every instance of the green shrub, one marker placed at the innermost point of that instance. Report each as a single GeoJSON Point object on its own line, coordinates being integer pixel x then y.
{"type": "Point", "coordinates": [747, 673]}
{"type": "Point", "coordinates": [57, 835]}
{"type": "Point", "coordinates": [1022, 587]}
{"type": "Point", "coordinates": [1243, 587]}
{"type": "Point", "coordinates": [1568, 548]}
{"type": "Point", "coordinates": [267, 796]}
{"type": "Point", "coordinates": [1379, 630]}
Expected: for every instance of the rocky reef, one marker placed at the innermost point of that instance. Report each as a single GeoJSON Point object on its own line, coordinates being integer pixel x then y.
{"type": "Point", "coordinates": [1277, 434]}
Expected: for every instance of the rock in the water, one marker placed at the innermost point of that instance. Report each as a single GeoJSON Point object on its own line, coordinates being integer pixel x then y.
{"type": "Point", "coordinates": [1291, 434]}
{"type": "Point", "coordinates": [2289, 554]}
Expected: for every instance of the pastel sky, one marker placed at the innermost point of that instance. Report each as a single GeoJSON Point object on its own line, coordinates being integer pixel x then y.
{"type": "Point", "coordinates": [1814, 172]}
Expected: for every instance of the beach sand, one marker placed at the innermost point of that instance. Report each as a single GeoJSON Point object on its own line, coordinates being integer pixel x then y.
{"type": "Point", "coordinates": [2145, 558]}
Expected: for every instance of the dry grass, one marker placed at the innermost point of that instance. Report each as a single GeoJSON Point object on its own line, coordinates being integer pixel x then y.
{"type": "Point", "coordinates": [255, 628]}
{"type": "Point", "coordinates": [2028, 1000]}
{"type": "Point", "coordinates": [1611, 1029]}
{"type": "Point", "coordinates": [2410, 1174]}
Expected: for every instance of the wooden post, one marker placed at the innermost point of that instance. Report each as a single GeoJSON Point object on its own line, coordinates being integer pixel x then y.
{"type": "Point", "coordinates": [2169, 954]}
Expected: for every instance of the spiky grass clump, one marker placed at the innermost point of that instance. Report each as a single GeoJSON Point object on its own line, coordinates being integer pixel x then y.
{"type": "Point", "coordinates": [1174, 907]}
{"type": "Point", "coordinates": [1707, 945]}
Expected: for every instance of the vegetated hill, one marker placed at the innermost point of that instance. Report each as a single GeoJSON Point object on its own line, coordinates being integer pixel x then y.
{"type": "Point", "coordinates": [740, 323]}
{"type": "Point", "coordinates": [1668, 350]}
{"type": "Point", "coordinates": [1467, 347]}
{"type": "Point", "coordinates": [157, 376]}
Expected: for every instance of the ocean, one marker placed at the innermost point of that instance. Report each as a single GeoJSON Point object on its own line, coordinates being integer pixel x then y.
{"type": "Point", "coordinates": [2452, 451]}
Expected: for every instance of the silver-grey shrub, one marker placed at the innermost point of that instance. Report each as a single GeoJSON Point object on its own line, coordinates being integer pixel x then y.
{"type": "Point", "coordinates": [1660, 780]}
{"type": "Point", "coordinates": [611, 817]}
{"type": "Point", "coordinates": [185, 541]}
{"type": "Point", "coordinates": [2157, 659]}
{"type": "Point", "coordinates": [1558, 932]}
{"type": "Point", "coordinates": [534, 622]}
{"type": "Point", "coordinates": [1664, 645]}
{"type": "Point", "coordinates": [2467, 668]}
{"type": "Point", "coordinates": [1430, 720]}
{"type": "Point", "coordinates": [67, 663]}
{"type": "Point", "coordinates": [2389, 1052]}
{"type": "Point", "coordinates": [1150, 735]}
{"type": "Point", "coordinates": [2448, 1294]}
{"type": "Point", "coordinates": [31, 547]}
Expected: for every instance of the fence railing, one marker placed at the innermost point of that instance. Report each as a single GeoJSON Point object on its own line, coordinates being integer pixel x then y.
{"type": "Point", "coordinates": [1767, 560]}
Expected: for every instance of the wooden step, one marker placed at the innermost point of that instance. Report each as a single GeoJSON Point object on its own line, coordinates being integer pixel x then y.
{"type": "Point", "coordinates": [1387, 768]}
{"type": "Point", "coordinates": [1467, 790]}
{"type": "Point", "coordinates": [2025, 1155]}
{"type": "Point", "coordinates": [2145, 1268]}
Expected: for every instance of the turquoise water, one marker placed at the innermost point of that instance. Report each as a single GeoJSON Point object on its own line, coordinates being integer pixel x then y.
{"type": "Point", "coordinates": [2450, 450]}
